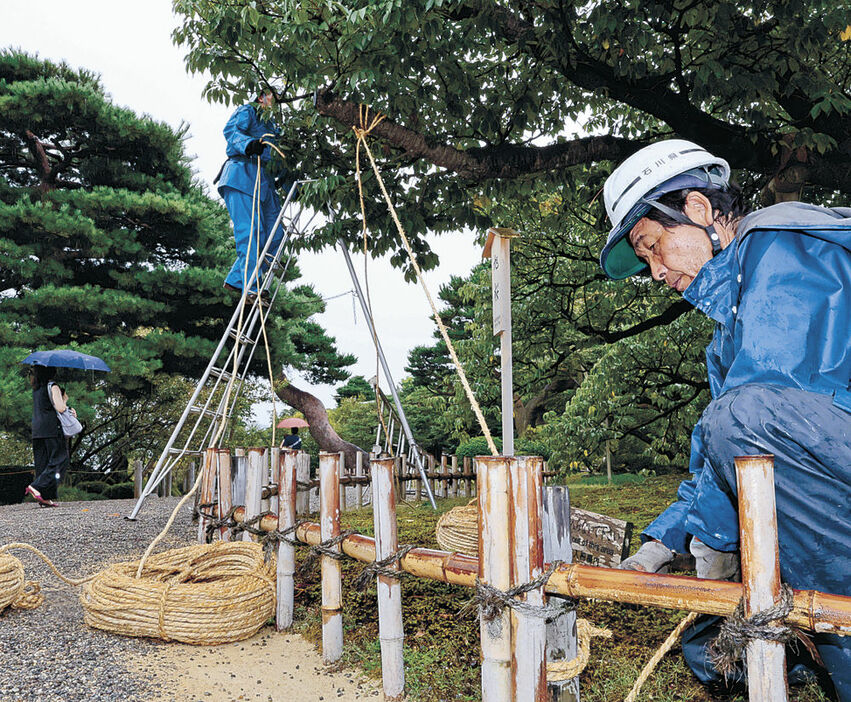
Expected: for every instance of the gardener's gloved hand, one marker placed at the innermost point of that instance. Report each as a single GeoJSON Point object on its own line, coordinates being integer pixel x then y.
{"type": "Point", "coordinates": [254, 148]}
{"type": "Point", "coordinates": [652, 557]}
{"type": "Point", "coordinates": [715, 565]}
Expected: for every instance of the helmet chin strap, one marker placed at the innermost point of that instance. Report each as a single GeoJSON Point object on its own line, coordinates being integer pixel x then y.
{"type": "Point", "coordinates": [714, 239]}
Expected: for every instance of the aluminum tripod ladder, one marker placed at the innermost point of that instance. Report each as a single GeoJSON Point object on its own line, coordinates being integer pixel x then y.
{"type": "Point", "coordinates": [218, 389]}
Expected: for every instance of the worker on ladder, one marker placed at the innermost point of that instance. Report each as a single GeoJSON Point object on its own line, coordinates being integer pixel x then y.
{"type": "Point", "coordinates": [777, 282]}
{"type": "Point", "coordinates": [253, 210]}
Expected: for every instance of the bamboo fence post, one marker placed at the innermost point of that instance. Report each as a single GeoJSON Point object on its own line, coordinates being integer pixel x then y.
{"type": "Point", "coordinates": [418, 480]}
{"type": "Point", "coordinates": [332, 579]}
{"type": "Point", "coordinates": [431, 473]}
{"type": "Point", "coordinates": [399, 492]}
{"type": "Point", "coordinates": [529, 633]}
{"type": "Point", "coordinates": [206, 491]}
{"type": "Point", "coordinates": [275, 458]}
{"type": "Point", "coordinates": [495, 548]}
{"type": "Point", "coordinates": [359, 474]}
{"type": "Point", "coordinates": [302, 472]}
{"type": "Point", "coordinates": [286, 552]}
{"type": "Point", "coordinates": [168, 483]}
{"type": "Point", "coordinates": [390, 629]}
{"type": "Point", "coordinates": [561, 633]}
{"type": "Point", "coordinates": [237, 476]}
{"type": "Point", "coordinates": [189, 480]}
{"type": "Point", "coordinates": [137, 478]}
{"type": "Point", "coordinates": [444, 470]}
{"type": "Point", "coordinates": [472, 483]}
{"type": "Point", "coordinates": [456, 476]}
{"type": "Point", "coordinates": [341, 471]}
{"type": "Point", "coordinates": [253, 485]}
{"type": "Point", "coordinates": [225, 499]}
{"type": "Point", "coordinates": [766, 660]}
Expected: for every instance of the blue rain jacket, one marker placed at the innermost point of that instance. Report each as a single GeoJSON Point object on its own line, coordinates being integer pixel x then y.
{"type": "Point", "coordinates": [780, 295]}
{"type": "Point", "coordinates": [239, 171]}
{"type": "Point", "coordinates": [779, 367]}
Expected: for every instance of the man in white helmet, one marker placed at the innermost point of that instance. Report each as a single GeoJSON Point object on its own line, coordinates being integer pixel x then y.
{"type": "Point", "coordinates": [777, 282]}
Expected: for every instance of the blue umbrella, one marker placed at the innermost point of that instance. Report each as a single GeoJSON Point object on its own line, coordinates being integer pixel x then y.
{"type": "Point", "coordinates": [66, 358]}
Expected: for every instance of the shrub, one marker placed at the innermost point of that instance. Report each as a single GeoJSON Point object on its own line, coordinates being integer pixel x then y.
{"type": "Point", "coordinates": [96, 487]}
{"type": "Point", "coordinates": [522, 447]}
{"type": "Point", "coordinates": [119, 491]}
{"type": "Point", "coordinates": [13, 482]}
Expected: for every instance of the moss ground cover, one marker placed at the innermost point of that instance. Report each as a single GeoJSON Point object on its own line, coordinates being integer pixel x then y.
{"type": "Point", "coordinates": [442, 649]}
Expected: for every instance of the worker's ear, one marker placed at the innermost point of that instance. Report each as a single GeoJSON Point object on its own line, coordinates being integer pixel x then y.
{"type": "Point", "coordinates": [698, 209]}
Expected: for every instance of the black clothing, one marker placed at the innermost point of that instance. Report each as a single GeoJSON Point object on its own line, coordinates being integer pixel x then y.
{"type": "Point", "coordinates": [45, 422]}
{"type": "Point", "coordinates": [292, 441]}
{"type": "Point", "coordinates": [51, 459]}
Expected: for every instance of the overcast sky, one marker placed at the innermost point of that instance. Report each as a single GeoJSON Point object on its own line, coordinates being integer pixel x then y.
{"type": "Point", "coordinates": [129, 45]}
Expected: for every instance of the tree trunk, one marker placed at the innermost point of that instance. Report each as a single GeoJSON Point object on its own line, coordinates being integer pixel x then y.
{"type": "Point", "coordinates": [320, 428]}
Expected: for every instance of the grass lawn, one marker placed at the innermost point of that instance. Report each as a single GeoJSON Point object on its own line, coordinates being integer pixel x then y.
{"type": "Point", "coordinates": [442, 649]}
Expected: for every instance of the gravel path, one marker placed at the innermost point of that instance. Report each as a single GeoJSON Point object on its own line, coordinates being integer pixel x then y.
{"type": "Point", "coordinates": [48, 653]}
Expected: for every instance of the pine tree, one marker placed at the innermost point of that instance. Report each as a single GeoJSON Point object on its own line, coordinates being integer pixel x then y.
{"type": "Point", "coordinates": [108, 245]}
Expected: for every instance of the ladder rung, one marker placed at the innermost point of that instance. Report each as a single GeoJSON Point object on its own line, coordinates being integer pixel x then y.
{"type": "Point", "coordinates": [186, 452]}
{"type": "Point", "coordinates": [243, 339]}
{"type": "Point", "coordinates": [208, 412]}
{"type": "Point", "coordinates": [220, 373]}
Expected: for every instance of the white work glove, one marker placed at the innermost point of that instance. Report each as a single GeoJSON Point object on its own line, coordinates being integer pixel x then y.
{"type": "Point", "coordinates": [652, 557]}
{"type": "Point", "coordinates": [715, 565]}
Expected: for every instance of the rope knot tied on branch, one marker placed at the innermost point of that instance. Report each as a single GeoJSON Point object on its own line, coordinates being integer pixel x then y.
{"type": "Point", "coordinates": [737, 630]}
{"type": "Point", "coordinates": [383, 567]}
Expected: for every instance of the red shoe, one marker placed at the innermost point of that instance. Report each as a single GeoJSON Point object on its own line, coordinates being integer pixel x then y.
{"type": "Point", "coordinates": [36, 495]}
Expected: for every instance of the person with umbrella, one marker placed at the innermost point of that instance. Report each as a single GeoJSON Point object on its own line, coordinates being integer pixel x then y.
{"type": "Point", "coordinates": [51, 457]}
{"type": "Point", "coordinates": [50, 449]}
{"type": "Point", "coordinates": [293, 440]}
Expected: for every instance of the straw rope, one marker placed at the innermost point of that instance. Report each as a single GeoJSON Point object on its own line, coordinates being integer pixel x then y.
{"type": "Point", "coordinates": [362, 133]}
{"type": "Point", "coordinates": [17, 592]}
{"type": "Point", "coordinates": [666, 646]}
{"type": "Point", "coordinates": [206, 594]}
{"type": "Point", "coordinates": [567, 670]}
{"type": "Point", "coordinates": [458, 529]}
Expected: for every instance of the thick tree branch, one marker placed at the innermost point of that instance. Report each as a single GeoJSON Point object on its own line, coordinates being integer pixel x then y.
{"type": "Point", "coordinates": [675, 311]}
{"type": "Point", "coordinates": [502, 161]}
{"type": "Point", "coordinates": [316, 416]}
{"type": "Point", "coordinates": [45, 170]}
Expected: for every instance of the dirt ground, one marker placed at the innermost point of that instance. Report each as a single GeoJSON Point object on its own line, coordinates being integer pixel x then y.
{"type": "Point", "coordinates": [271, 666]}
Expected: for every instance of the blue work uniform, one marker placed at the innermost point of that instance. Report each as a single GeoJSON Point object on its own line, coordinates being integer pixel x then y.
{"type": "Point", "coordinates": [236, 185]}
{"type": "Point", "coordinates": [779, 367]}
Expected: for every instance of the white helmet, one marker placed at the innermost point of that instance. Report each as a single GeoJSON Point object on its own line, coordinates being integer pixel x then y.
{"type": "Point", "coordinates": [632, 188]}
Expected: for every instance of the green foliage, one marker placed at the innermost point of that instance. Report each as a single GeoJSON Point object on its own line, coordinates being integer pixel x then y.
{"type": "Point", "coordinates": [13, 481]}
{"type": "Point", "coordinates": [357, 387]}
{"type": "Point", "coordinates": [109, 247]}
{"type": "Point", "coordinates": [494, 94]}
{"type": "Point", "coordinates": [355, 420]}
{"type": "Point", "coordinates": [119, 491]}
{"type": "Point", "coordinates": [477, 446]}
{"type": "Point", "coordinates": [96, 487]}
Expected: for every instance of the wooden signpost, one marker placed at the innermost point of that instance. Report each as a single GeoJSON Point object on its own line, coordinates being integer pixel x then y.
{"type": "Point", "coordinates": [597, 539]}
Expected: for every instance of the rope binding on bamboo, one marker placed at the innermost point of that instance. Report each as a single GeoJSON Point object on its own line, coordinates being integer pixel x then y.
{"type": "Point", "coordinates": [204, 595]}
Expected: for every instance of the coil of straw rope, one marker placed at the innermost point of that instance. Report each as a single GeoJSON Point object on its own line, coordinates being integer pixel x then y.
{"type": "Point", "coordinates": [206, 594]}
{"type": "Point", "coordinates": [458, 529]}
{"type": "Point", "coordinates": [15, 592]}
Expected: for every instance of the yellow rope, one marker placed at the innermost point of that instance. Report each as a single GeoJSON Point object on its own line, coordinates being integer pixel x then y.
{"type": "Point", "coordinates": [361, 133]}
{"type": "Point", "coordinates": [666, 646]}
{"type": "Point", "coordinates": [204, 594]}
{"type": "Point", "coordinates": [14, 590]}
{"type": "Point", "coordinates": [567, 670]}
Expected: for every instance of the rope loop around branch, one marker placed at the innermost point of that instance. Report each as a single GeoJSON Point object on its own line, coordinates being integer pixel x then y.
{"type": "Point", "coordinates": [383, 567]}
{"type": "Point", "coordinates": [737, 630]}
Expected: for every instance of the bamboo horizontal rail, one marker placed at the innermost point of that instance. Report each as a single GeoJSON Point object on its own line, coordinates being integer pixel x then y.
{"type": "Point", "coordinates": [815, 611]}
